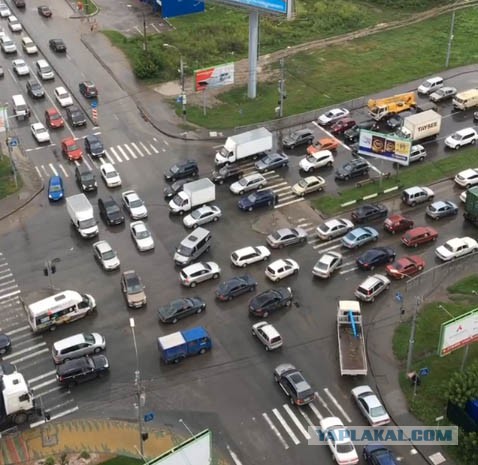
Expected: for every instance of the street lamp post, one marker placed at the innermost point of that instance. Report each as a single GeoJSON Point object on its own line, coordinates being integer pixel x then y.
{"type": "Point", "coordinates": [182, 78]}
{"type": "Point", "coordinates": [9, 146]}
{"type": "Point", "coordinates": [139, 396]}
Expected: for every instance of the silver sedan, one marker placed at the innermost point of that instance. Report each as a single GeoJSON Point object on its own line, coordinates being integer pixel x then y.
{"type": "Point", "coordinates": [286, 236]}
{"type": "Point", "coordinates": [202, 215]}
{"type": "Point", "coordinates": [196, 273]}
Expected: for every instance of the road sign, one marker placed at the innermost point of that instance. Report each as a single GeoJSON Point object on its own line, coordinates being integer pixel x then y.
{"type": "Point", "coordinates": [179, 99]}
{"type": "Point", "coordinates": [94, 103]}
{"type": "Point", "coordinates": [399, 297]}
{"type": "Point", "coordinates": [12, 141]}
{"type": "Point", "coordinates": [424, 371]}
{"type": "Point", "coordinates": [149, 417]}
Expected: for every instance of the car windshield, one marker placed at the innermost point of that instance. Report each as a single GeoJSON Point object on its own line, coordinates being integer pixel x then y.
{"type": "Point", "coordinates": [72, 147]}
{"type": "Point", "coordinates": [87, 176]}
{"type": "Point", "coordinates": [183, 250]}
{"type": "Point", "coordinates": [267, 159]}
{"type": "Point", "coordinates": [108, 255]}
{"type": "Point", "coordinates": [303, 183]}
{"type": "Point", "coordinates": [244, 181]}
{"type": "Point", "coordinates": [55, 116]}
{"type": "Point", "coordinates": [350, 236]}
{"type": "Point", "coordinates": [134, 285]}
{"type": "Point", "coordinates": [264, 298]}
{"type": "Point", "coordinates": [448, 247]}
{"type": "Point", "coordinates": [329, 114]}
{"type": "Point", "coordinates": [377, 411]}
{"type": "Point", "coordinates": [252, 198]}
{"type": "Point", "coordinates": [347, 167]}
{"type": "Point", "coordinates": [40, 130]}
{"type": "Point", "coordinates": [142, 233]}
{"type": "Point", "coordinates": [55, 188]}
{"type": "Point", "coordinates": [89, 338]}
{"type": "Point", "coordinates": [311, 159]}
{"type": "Point", "coordinates": [89, 223]}
{"type": "Point", "coordinates": [63, 94]}
{"type": "Point", "coordinates": [196, 214]}
{"type": "Point", "coordinates": [322, 266]}
{"type": "Point", "coordinates": [276, 235]}
{"type": "Point", "coordinates": [456, 136]}
{"type": "Point", "coordinates": [95, 144]}
{"type": "Point", "coordinates": [136, 203]}
{"type": "Point", "coordinates": [174, 169]}
{"type": "Point", "coordinates": [113, 209]}
{"type": "Point", "coordinates": [111, 174]}
{"type": "Point", "coordinates": [345, 447]}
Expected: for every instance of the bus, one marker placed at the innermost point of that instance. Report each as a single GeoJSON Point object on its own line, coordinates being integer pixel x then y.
{"type": "Point", "coordinates": [65, 307]}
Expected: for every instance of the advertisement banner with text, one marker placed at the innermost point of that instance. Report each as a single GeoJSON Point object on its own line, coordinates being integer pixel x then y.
{"type": "Point", "coordinates": [385, 146]}
{"type": "Point", "coordinates": [218, 76]}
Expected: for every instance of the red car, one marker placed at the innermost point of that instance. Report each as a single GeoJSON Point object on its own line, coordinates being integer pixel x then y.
{"type": "Point", "coordinates": [397, 223]}
{"type": "Point", "coordinates": [53, 118]}
{"type": "Point", "coordinates": [71, 149]}
{"type": "Point", "coordinates": [342, 125]}
{"type": "Point", "coordinates": [327, 143]}
{"type": "Point", "coordinates": [405, 267]}
{"type": "Point", "coordinates": [417, 236]}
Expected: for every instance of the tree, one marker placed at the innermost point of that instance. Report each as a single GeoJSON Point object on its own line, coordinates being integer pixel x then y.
{"type": "Point", "coordinates": [463, 386]}
{"type": "Point", "coordinates": [468, 447]}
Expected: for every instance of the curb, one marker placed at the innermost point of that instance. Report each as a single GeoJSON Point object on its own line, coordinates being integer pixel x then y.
{"type": "Point", "coordinates": [24, 203]}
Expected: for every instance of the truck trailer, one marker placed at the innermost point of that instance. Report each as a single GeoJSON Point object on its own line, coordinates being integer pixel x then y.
{"type": "Point", "coordinates": [352, 356]}
{"type": "Point", "coordinates": [421, 126]}
{"type": "Point", "coordinates": [471, 205]}
{"type": "Point", "coordinates": [384, 107]}
{"type": "Point", "coordinates": [244, 145]}
{"type": "Point", "coordinates": [82, 216]}
{"type": "Point", "coordinates": [177, 346]}
{"type": "Point", "coordinates": [194, 194]}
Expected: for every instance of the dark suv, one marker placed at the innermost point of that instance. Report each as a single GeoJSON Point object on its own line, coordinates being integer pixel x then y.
{"type": "Point", "coordinates": [269, 301]}
{"type": "Point", "coordinates": [235, 286]}
{"type": "Point", "coordinates": [75, 116]}
{"type": "Point", "coordinates": [110, 211]}
{"type": "Point", "coordinates": [299, 137]}
{"type": "Point", "coordinates": [57, 45]}
{"type": "Point", "coordinates": [81, 369]}
{"type": "Point", "coordinates": [182, 169]}
{"type": "Point", "coordinates": [352, 169]}
{"type": "Point", "coordinates": [35, 89]}
{"type": "Point", "coordinates": [293, 383]}
{"type": "Point", "coordinates": [88, 89]}
{"type": "Point", "coordinates": [376, 454]}
{"type": "Point", "coordinates": [94, 146]}
{"type": "Point", "coordinates": [85, 179]}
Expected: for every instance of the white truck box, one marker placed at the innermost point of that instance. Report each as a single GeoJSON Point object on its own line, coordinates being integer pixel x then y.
{"type": "Point", "coordinates": [194, 194]}
{"type": "Point", "coordinates": [241, 146]}
{"type": "Point", "coordinates": [82, 215]}
{"type": "Point", "coordinates": [421, 125]}
{"type": "Point", "coordinates": [466, 99]}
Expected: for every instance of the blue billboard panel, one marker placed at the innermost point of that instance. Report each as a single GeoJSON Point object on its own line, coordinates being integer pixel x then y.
{"type": "Point", "coordinates": [172, 8]}
{"type": "Point", "coordinates": [274, 6]}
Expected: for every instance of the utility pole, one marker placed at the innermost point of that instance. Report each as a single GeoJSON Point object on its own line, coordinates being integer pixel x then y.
{"type": "Point", "coordinates": [182, 78]}
{"type": "Point", "coordinates": [145, 38]}
{"type": "Point", "coordinates": [9, 146]}
{"type": "Point", "coordinates": [411, 341]}
{"type": "Point", "coordinates": [450, 39]}
{"type": "Point", "coordinates": [282, 91]}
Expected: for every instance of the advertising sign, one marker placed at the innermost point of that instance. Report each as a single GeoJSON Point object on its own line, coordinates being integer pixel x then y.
{"type": "Point", "coordinates": [458, 332]}
{"type": "Point", "coordinates": [385, 146]}
{"type": "Point", "coordinates": [173, 8]}
{"type": "Point", "coordinates": [218, 76]}
{"type": "Point", "coordinates": [271, 6]}
{"type": "Point", "coordinates": [3, 118]}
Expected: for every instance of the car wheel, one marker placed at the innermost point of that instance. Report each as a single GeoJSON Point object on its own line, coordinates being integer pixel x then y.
{"type": "Point", "coordinates": [391, 259]}
{"type": "Point", "coordinates": [375, 239]}
{"type": "Point", "coordinates": [243, 265]}
{"type": "Point", "coordinates": [420, 268]}
{"type": "Point", "coordinates": [173, 179]}
{"type": "Point", "coordinates": [97, 350]}
{"type": "Point", "coordinates": [221, 181]}
{"type": "Point", "coordinates": [288, 303]}
{"type": "Point", "coordinates": [265, 314]}
{"type": "Point", "coordinates": [303, 239]}
{"type": "Point", "coordinates": [195, 225]}
{"type": "Point", "coordinates": [292, 147]}
{"type": "Point", "coordinates": [199, 310]}
{"type": "Point", "coordinates": [402, 276]}
{"type": "Point", "coordinates": [436, 218]}
{"type": "Point", "coordinates": [267, 348]}
{"type": "Point", "coordinates": [216, 218]}
{"type": "Point", "coordinates": [241, 192]}
{"type": "Point", "coordinates": [457, 146]}
{"type": "Point", "coordinates": [52, 328]}
{"type": "Point", "coordinates": [250, 208]}
{"type": "Point", "coordinates": [421, 159]}
{"type": "Point", "coordinates": [393, 231]}
{"type": "Point", "coordinates": [229, 298]}
{"type": "Point", "coordinates": [413, 204]}
{"type": "Point", "coordinates": [372, 299]}
{"type": "Point", "coordinates": [193, 284]}
{"type": "Point", "coordinates": [291, 400]}
{"type": "Point", "coordinates": [174, 321]}
{"type": "Point", "coordinates": [329, 164]}
{"type": "Point", "coordinates": [266, 258]}
{"type": "Point", "coordinates": [302, 194]}
{"type": "Point", "coordinates": [215, 276]}
{"type": "Point", "coordinates": [346, 178]}
{"type": "Point", "coordinates": [252, 288]}
{"type": "Point", "coordinates": [181, 213]}
{"type": "Point", "coordinates": [281, 246]}
{"type": "Point", "coordinates": [253, 333]}
{"type": "Point", "coordinates": [415, 245]}
{"type": "Point", "coordinates": [268, 204]}
{"type": "Point", "coordinates": [295, 271]}
{"type": "Point", "coordinates": [260, 186]}
{"type": "Point", "coordinates": [372, 268]}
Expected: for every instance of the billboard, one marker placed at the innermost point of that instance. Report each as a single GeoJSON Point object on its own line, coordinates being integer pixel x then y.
{"type": "Point", "coordinates": [217, 76]}
{"type": "Point", "coordinates": [270, 6]}
{"type": "Point", "coordinates": [3, 119]}
{"type": "Point", "coordinates": [458, 332]}
{"type": "Point", "coordinates": [172, 8]}
{"type": "Point", "coordinates": [385, 146]}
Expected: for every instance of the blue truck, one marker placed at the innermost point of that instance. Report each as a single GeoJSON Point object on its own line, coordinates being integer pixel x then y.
{"type": "Point", "coordinates": [181, 344]}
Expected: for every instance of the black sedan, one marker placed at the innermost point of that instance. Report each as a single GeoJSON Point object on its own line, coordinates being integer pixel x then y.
{"type": "Point", "coordinates": [375, 257]}
{"type": "Point", "coordinates": [235, 286]}
{"type": "Point", "coordinates": [57, 45]}
{"type": "Point", "coordinates": [394, 122]}
{"type": "Point", "coordinates": [172, 189]}
{"type": "Point", "coordinates": [75, 116]}
{"type": "Point", "coordinates": [94, 146]}
{"type": "Point", "coordinates": [5, 343]}
{"type": "Point", "coordinates": [368, 212]}
{"type": "Point", "coordinates": [44, 11]}
{"type": "Point", "coordinates": [181, 308]}
{"type": "Point", "coordinates": [271, 162]}
{"type": "Point", "coordinates": [226, 173]}
{"type": "Point", "coordinates": [269, 301]}
{"type": "Point", "coordinates": [265, 198]}
{"type": "Point", "coordinates": [182, 169]}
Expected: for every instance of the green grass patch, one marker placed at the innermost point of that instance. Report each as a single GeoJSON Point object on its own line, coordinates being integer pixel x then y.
{"type": "Point", "coordinates": [465, 286]}
{"type": "Point", "coordinates": [320, 78]}
{"type": "Point", "coordinates": [123, 460]}
{"type": "Point", "coordinates": [7, 184]}
{"type": "Point", "coordinates": [416, 174]}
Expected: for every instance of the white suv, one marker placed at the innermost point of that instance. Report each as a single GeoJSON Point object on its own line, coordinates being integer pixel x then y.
{"type": "Point", "coordinates": [461, 138]}
{"type": "Point", "coordinates": [417, 153]}
{"type": "Point", "coordinates": [316, 160]}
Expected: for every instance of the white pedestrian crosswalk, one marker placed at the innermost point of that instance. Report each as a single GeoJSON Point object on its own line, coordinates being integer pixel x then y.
{"type": "Point", "coordinates": [115, 155]}
{"type": "Point", "coordinates": [29, 352]}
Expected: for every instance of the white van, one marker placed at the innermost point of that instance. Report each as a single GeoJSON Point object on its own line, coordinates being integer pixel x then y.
{"type": "Point", "coordinates": [20, 107]}
{"type": "Point", "coordinates": [430, 85]}
{"type": "Point", "coordinates": [466, 99]}
{"type": "Point", "coordinates": [44, 70]}
{"type": "Point", "coordinates": [77, 346]}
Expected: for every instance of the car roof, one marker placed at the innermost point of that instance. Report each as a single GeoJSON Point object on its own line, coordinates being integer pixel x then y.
{"type": "Point", "coordinates": [51, 111]}
{"type": "Point", "coordinates": [37, 125]}
{"type": "Point", "coordinates": [92, 138]}
{"type": "Point", "coordinates": [102, 246]}
{"type": "Point", "coordinates": [193, 268]}
{"type": "Point", "coordinates": [468, 172]}
{"type": "Point", "coordinates": [108, 167]}
{"type": "Point", "coordinates": [372, 280]}
{"type": "Point", "coordinates": [278, 263]}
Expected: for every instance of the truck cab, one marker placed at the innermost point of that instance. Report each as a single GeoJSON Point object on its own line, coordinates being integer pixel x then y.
{"type": "Point", "coordinates": [17, 400]}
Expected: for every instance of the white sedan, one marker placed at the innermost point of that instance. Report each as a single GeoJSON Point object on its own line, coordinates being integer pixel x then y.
{"type": "Point", "coordinates": [40, 133]}
{"type": "Point", "coordinates": [135, 206]}
{"type": "Point", "coordinates": [110, 176]}
{"type": "Point", "coordinates": [467, 178]}
{"type": "Point", "coordinates": [202, 215]}
{"type": "Point", "coordinates": [63, 97]}
{"type": "Point", "coordinates": [248, 183]}
{"type": "Point", "coordinates": [334, 228]}
{"type": "Point", "coordinates": [142, 236]}
{"type": "Point", "coordinates": [29, 46]}
{"type": "Point", "coordinates": [338, 440]}
{"type": "Point", "coordinates": [327, 264]}
{"type": "Point", "coordinates": [20, 67]}
{"type": "Point", "coordinates": [370, 406]}
{"type": "Point", "coordinates": [308, 185]}
{"type": "Point", "coordinates": [282, 268]}
{"type": "Point", "coordinates": [333, 115]}
{"type": "Point", "coordinates": [4, 11]}
{"type": "Point", "coordinates": [248, 255]}
{"type": "Point", "coordinates": [456, 248]}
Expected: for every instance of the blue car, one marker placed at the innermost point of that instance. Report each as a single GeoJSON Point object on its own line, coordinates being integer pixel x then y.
{"type": "Point", "coordinates": [375, 257]}
{"type": "Point", "coordinates": [264, 198]}
{"type": "Point", "coordinates": [376, 454]}
{"type": "Point", "coordinates": [359, 236]}
{"type": "Point", "coordinates": [55, 188]}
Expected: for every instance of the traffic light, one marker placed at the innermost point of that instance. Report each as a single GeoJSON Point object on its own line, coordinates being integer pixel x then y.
{"type": "Point", "coordinates": [53, 268]}
{"type": "Point", "coordinates": [144, 436]}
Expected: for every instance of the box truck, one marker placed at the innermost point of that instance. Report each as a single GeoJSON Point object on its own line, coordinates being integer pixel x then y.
{"type": "Point", "coordinates": [194, 194]}
{"type": "Point", "coordinates": [421, 126]}
{"type": "Point", "coordinates": [177, 346]}
{"type": "Point", "coordinates": [466, 99]}
{"type": "Point", "coordinates": [245, 145]}
{"type": "Point", "coordinates": [82, 216]}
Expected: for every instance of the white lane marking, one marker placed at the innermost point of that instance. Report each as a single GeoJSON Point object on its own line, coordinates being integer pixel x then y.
{"type": "Point", "coordinates": [65, 173]}
{"type": "Point", "coordinates": [167, 143]}
{"type": "Point", "coordinates": [153, 148]}
{"type": "Point", "coordinates": [349, 270]}
{"type": "Point", "coordinates": [55, 172]}
{"type": "Point", "coordinates": [316, 411]}
{"type": "Point", "coordinates": [300, 199]}
{"type": "Point", "coordinates": [296, 421]}
{"type": "Point", "coordinates": [39, 172]}
{"type": "Point", "coordinates": [327, 243]}
{"type": "Point", "coordinates": [122, 152]}
{"type": "Point", "coordinates": [131, 152]}
{"type": "Point", "coordinates": [145, 148]}
{"type": "Point", "coordinates": [44, 375]}
{"type": "Point", "coordinates": [7, 275]}
{"type": "Point", "coordinates": [55, 417]}
{"type": "Point", "coordinates": [113, 151]}
{"type": "Point", "coordinates": [49, 391]}
{"type": "Point", "coordinates": [28, 349]}
{"type": "Point", "coordinates": [61, 405]}
{"type": "Point", "coordinates": [307, 419]}
{"type": "Point", "coordinates": [141, 154]}
{"type": "Point", "coordinates": [28, 357]}
{"type": "Point", "coordinates": [45, 383]}
{"type": "Point", "coordinates": [275, 430]}
{"type": "Point", "coordinates": [10, 287]}
{"type": "Point", "coordinates": [285, 188]}
{"type": "Point", "coordinates": [305, 224]}
{"type": "Point", "coordinates": [272, 186]}
{"type": "Point", "coordinates": [286, 196]}
{"type": "Point", "coordinates": [324, 404]}
{"type": "Point", "coordinates": [7, 282]}
{"type": "Point", "coordinates": [326, 249]}
{"type": "Point", "coordinates": [108, 157]}
{"type": "Point", "coordinates": [44, 170]}
{"type": "Point", "coordinates": [336, 403]}
{"type": "Point", "coordinates": [18, 330]}
{"type": "Point", "coordinates": [286, 426]}
{"type": "Point", "coordinates": [233, 455]}
{"type": "Point", "coordinates": [85, 161]}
